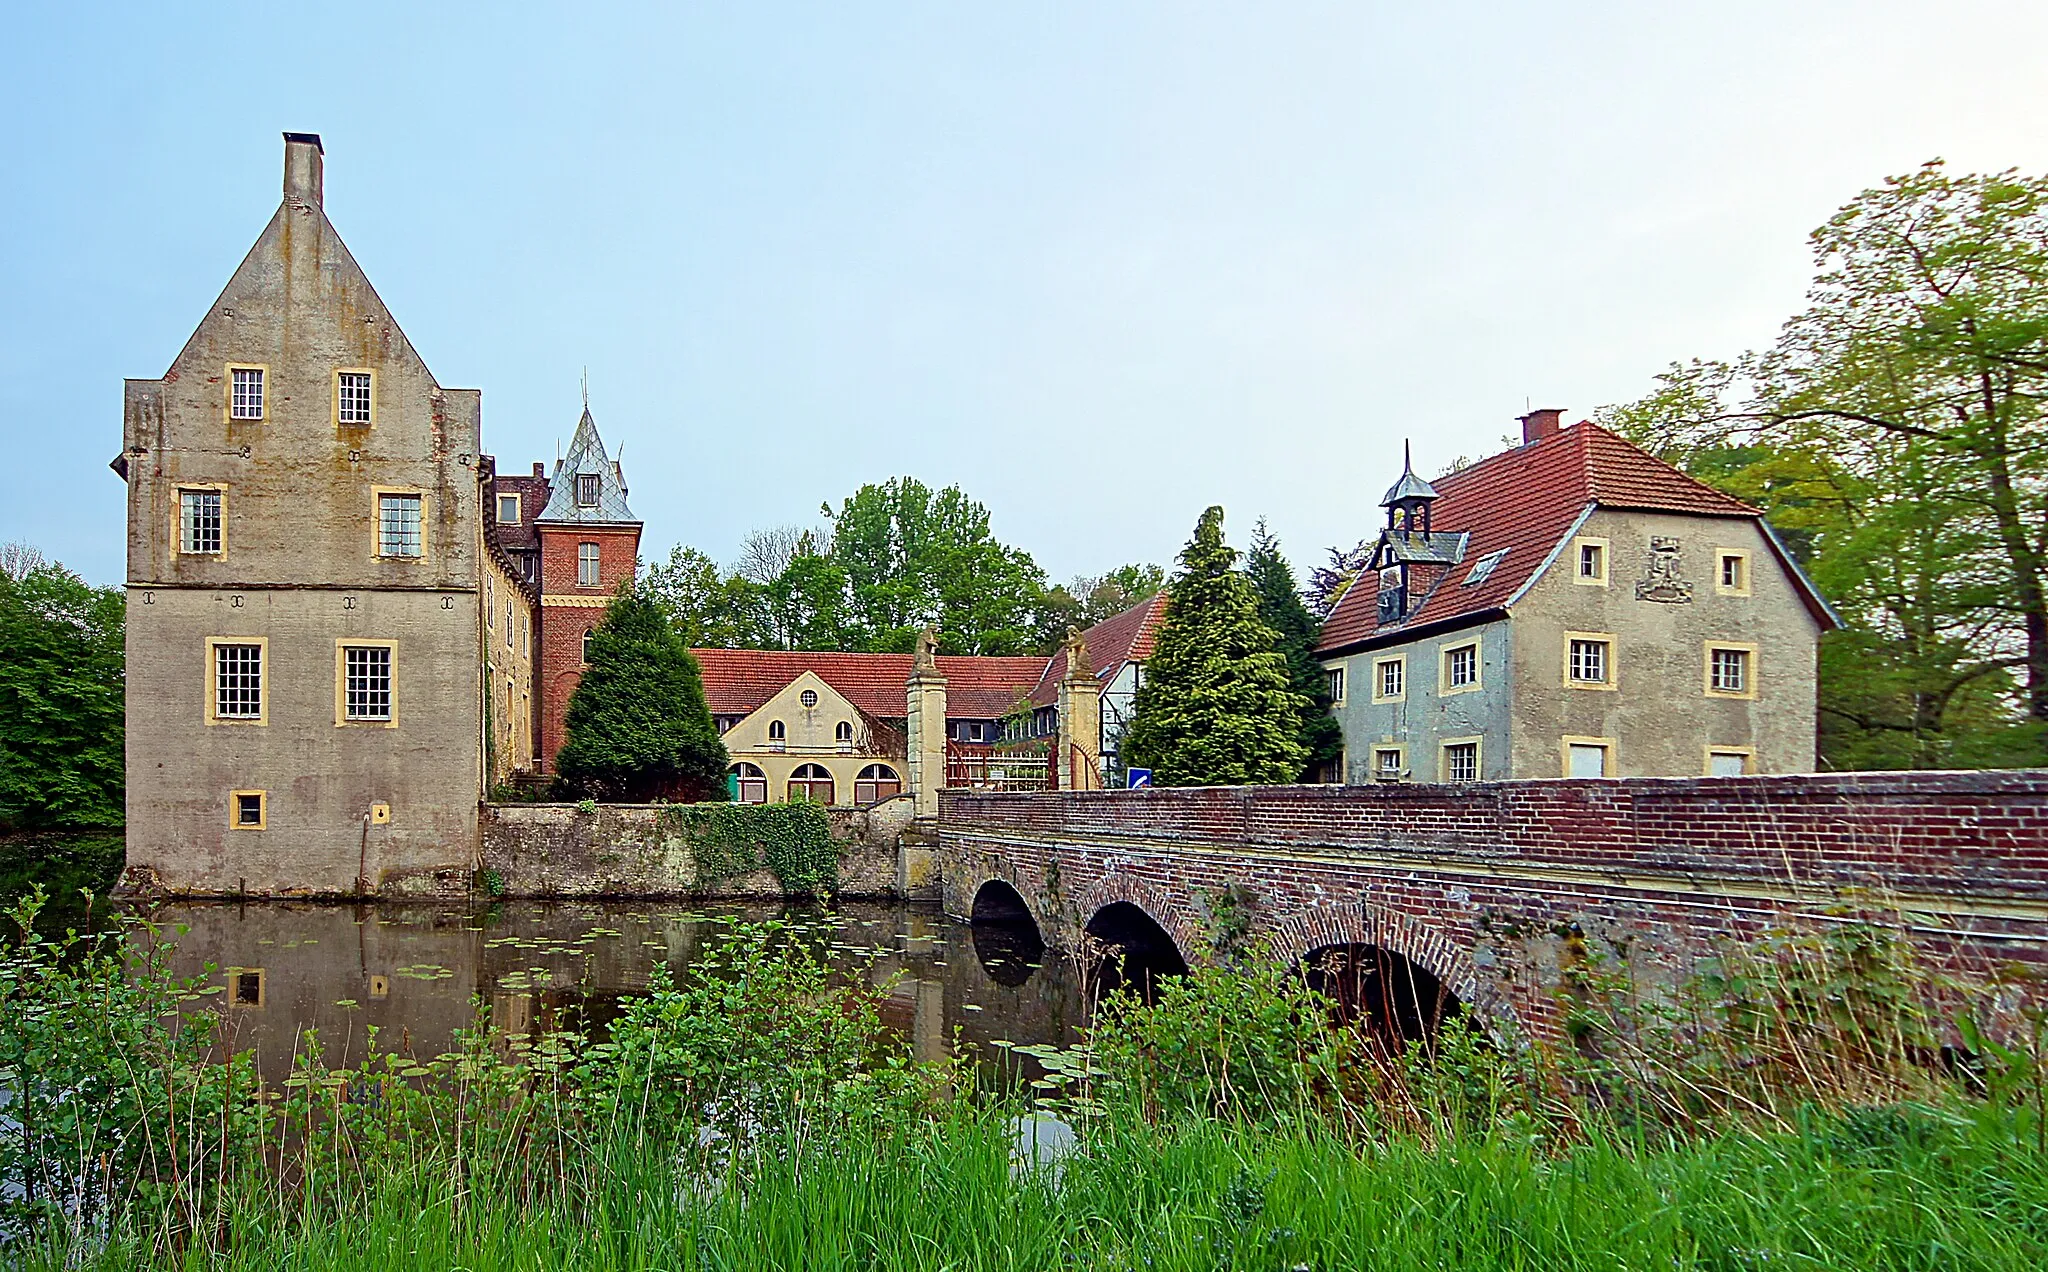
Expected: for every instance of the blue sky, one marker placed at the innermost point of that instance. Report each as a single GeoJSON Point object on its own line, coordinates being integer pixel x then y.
{"type": "Point", "coordinates": [1101, 264]}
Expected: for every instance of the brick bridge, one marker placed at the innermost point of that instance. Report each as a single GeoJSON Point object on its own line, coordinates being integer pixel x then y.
{"type": "Point", "coordinates": [1487, 891]}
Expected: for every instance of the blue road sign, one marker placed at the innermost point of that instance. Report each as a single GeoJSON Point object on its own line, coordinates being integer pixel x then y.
{"type": "Point", "coordinates": [1138, 777]}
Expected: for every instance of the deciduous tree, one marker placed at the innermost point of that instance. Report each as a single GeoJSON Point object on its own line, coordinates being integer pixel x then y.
{"type": "Point", "coordinates": [62, 667]}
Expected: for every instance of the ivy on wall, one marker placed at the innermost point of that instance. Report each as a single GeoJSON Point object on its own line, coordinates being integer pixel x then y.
{"type": "Point", "coordinates": [792, 840]}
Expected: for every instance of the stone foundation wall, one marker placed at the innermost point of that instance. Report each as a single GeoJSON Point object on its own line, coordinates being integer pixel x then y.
{"type": "Point", "coordinates": [627, 850]}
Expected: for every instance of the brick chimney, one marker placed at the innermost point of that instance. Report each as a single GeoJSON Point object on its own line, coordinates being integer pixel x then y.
{"type": "Point", "coordinates": [302, 161]}
{"type": "Point", "coordinates": [1540, 423]}
{"type": "Point", "coordinates": [540, 469]}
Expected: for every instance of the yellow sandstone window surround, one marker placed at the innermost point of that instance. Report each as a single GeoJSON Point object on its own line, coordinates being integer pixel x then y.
{"type": "Point", "coordinates": [1458, 760]}
{"type": "Point", "coordinates": [355, 397]}
{"type": "Point", "coordinates": [1589, 560]}
{"type": "Point", "coordinates": [248, 810]}
{"type": "Point", "coordinates": [236, 670]}
{"type": "Point", "coordinates": [1731, 572]}
{"type": "Point", "coordinates": [1458, 671]}
{"type": "Point", "coordinates": [1731, 670]}
{"type": "Point", "coordinates": [365, 682]}
{"type": "Point", "coordinates": [245, 390]}
{"type": "Point", "coordinates": [1390, 678]}
{"type": "Point", "coordinates": [1589, 660]}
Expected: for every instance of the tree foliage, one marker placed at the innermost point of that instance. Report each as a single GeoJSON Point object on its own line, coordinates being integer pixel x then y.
{"type": "Point", "coordinates": [62, 668]}
{"type": "Point", "coordinates": [1281, 608]}
{"type": "Point", "coordinates": [638, 725]}
{"type": "Point", "coordinates": [1215, 707]}
{"type": "Point", "coordinates": [1086, 600]}
{"type": "Point", "coordinates": [1897, 432]}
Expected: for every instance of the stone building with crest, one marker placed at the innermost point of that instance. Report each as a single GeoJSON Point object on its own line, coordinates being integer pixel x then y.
{"type": "Point", "coordinates": [1574, 607]}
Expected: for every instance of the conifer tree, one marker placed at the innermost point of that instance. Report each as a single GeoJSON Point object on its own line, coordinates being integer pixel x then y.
{"type": "Point", "coordinates": [638, 725]}
{"type": "Point", "coordinates": [1215, 708]}
{"type": "Point", "coordinates": [1281, 608]}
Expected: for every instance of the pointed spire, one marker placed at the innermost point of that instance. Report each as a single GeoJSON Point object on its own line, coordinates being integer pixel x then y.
{"type": "Point", "coordinates": [1410, 486]}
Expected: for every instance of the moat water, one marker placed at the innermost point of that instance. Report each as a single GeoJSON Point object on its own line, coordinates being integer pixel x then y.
{"type": "Point", "coordinates": [417, 973]}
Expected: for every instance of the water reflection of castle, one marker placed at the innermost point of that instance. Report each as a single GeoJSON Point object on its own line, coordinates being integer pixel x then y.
{"type": "Point", "coordinates": [415, 973]}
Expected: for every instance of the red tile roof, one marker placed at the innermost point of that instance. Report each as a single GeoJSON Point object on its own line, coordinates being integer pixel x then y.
{"type": "Point", "coordinates": [738, 681]}
{"type": "Point", "coordinates": [1524, 500]}
{"type": "Point", "coordinates": [1116, 640]}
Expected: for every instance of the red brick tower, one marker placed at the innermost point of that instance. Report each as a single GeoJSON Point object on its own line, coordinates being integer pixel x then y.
{"type": "Point", "coordinates": [589, 541]}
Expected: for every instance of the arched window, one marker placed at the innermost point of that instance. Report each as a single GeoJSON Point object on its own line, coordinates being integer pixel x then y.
{"type": "Point", "coordinates": [752, 783]}
{"type": "Point", "coordinates": [776, 731]}
{"type": "Point", "coordinates": [876, 783]}
{"type": "Point", "coordinates": [843, 731]}
{"type": "Point", "coordinates": [586, 646]}
{"type": "Point", "coordinates": [811, 782]}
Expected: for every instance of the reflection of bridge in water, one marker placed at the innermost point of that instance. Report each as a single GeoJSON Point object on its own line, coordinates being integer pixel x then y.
{"type": "Point", "coordinates": [414, 971]}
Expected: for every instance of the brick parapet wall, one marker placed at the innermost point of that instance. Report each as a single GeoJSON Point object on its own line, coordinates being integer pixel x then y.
{"type": "Point", "coordinates": [1490, 885]}
{"type": "Point", "coordinates": [1931, 832]}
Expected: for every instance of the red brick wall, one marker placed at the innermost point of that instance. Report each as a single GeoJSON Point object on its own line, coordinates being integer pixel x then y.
{"type": "Point", "coordinates": [1484, 884]}
{"type": "Point", "coordinates": [560, 664]}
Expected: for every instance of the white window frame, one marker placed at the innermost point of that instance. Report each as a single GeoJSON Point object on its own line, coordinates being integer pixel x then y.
{"type": "Point", "coordinates": [345, 411]}
{"type": "Point", "coordinates": [1571, 678]}
{"type": "Point", "coordinates": [1579, 545]}
{"type": "Point", "coordinates": [220, 493]}
{"type": "Point", "coordinates": [1443, 759]}
{"type": "Point", "coordinates": [233, 409]}
{"type": "Point", "coordinates": [1399, 772]}
{"type": "Point", "coordinates": [512, 495]}
{"type": "Point", "coordinates": [378, 494]}
{"type": "Point", "coordinates": [1399, 662]}
{"type": "Point", "coordinates": [1751, 674]}
{"type": "Point", "coordinates": [262, 646]}
{"type": "Point", "coordinates": [594, 483]}
{"type": "Point", "coordinates": [592, 555]}
{"type": "Point", "coordinates": [1444, 687]}
{"type": "Point", "coordinates": [342, 717]}
{"type": "Point", "coordinates": [1333, 684]}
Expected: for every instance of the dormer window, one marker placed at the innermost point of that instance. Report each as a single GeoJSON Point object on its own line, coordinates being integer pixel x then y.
{"type": "Point", "coordinates": [586, 490]}
{"type": "Point", "coordinates": [1393, 594]}
{"type": "Point", "coordinates": [508, 510]}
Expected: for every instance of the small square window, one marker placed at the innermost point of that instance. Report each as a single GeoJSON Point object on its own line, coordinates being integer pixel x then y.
{"type": "Point", "coordinates": [1333, 683]}
{"type": "Point", "coordinates": [1461, 762]}
{"type": "Point", "coordinates": [398, 525]}
{"type": "Point", "coordinates": [508, 509]}
{"type": "Point", "coordinates": [586, 565]}
{"type": "Point", "coordinates": [1729, 762]}
{"type": "Point", "coordinates": [1388, 763]}
{"type": "Point", "coordinates": [250, 812]}
{"type": "Point", "coordinates": [353, 403]}
{"type": "Point", "coordinates": [587, 486]}
{"type": "Point", "coordinates": [245, 394]}
{"type": "Point", "coordinates": [199, 531]}
{"type": "Point", "coordinates": [1586, 759]}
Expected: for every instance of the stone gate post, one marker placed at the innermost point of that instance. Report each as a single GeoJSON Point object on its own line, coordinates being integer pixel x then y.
{"type": "Point", "coordinates": [926, 726]}
{"type": "Point", "coordinates": [1079, 762]}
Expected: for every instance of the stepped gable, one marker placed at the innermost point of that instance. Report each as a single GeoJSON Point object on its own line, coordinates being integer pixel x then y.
{"type": "Point", "coordinates": [739, 681]}
{"type": "Point", "coordinates": [1526, 501]}
{"type": "Point", "coordinates": [1116, 640]}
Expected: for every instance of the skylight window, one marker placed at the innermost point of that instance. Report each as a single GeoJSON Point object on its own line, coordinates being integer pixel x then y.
{"type": "Point", "coordinates": [1484, 567]}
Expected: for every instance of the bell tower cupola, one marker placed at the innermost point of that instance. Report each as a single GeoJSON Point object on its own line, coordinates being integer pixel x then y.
{"type": "Point", "coordinates": [1408, 502]}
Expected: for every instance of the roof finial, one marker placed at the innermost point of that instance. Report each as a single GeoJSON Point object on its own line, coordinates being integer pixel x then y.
{"type": "Point", "coordinates": [586, 388]}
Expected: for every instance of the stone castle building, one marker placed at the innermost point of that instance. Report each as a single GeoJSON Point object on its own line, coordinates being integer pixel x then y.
{"type": "Point", "coordinates": [1574, 607]}
{"type": "Point", "coordinates": [344, 626]}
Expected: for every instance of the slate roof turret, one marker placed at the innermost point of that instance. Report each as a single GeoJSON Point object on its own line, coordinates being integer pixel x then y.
{"type": "Point", "coordinates": [587, 457]}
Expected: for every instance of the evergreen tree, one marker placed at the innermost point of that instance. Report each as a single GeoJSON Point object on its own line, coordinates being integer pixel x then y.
{"type": "Point", "coordinates": [1281, 608]}
{"type": "Point", "coordinates": [1215, 708]}
{"type": "Point", "coordinates": [638, 726]}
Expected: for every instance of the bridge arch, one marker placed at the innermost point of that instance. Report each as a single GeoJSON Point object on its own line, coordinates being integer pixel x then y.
{"type": "Point", "coordinates": [1007, 939]}
{"type": "Point", "coordinates": [1423, 962]}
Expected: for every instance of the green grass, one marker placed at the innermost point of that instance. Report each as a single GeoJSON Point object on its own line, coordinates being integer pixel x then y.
{"type": "Point", "coordinates": [1920, 1190]}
